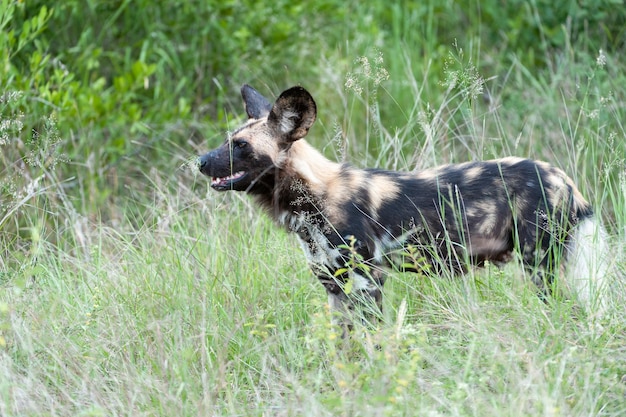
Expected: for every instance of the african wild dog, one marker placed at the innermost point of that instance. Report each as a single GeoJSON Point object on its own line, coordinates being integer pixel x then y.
{"type": "Point", "coordinates": [452, 216]}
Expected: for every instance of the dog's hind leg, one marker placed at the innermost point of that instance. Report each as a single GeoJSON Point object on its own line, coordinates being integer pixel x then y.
{"type": "Point", "coordinates": [542, 250]}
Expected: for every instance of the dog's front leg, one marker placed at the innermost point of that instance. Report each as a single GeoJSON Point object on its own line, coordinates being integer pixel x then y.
{"type": "Point", "coordinates": [339, 303]}
{"type": "Point", "coordinates": [357, 298]}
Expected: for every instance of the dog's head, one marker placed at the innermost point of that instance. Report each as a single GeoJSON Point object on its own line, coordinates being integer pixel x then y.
{"type": "Point", "coordinates": [253, 152]}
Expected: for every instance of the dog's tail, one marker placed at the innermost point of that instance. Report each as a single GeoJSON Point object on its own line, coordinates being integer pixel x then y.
{"type": "Point", "coordinates": [589, 265]}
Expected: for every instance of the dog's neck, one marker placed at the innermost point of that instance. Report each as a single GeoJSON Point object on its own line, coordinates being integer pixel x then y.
{"type": "Point", "coordinates": [300, 185]}
{"type": "Point", "coordinates": [314, 169]}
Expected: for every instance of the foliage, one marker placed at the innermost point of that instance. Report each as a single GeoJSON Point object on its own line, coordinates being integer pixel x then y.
{"type": "Point", "coordinates": [534, 30]}
{"type": "Point", "coordinates": [125, 74]}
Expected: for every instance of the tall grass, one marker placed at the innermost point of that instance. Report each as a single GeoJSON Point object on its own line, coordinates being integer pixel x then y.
{"type": "Point", "coordinates": [186, 317]}
{"type": "Point", "coordinates": [190, 302]}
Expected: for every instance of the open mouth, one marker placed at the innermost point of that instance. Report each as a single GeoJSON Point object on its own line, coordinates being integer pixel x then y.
{"type": "Point", "coordinates": [225, 183]}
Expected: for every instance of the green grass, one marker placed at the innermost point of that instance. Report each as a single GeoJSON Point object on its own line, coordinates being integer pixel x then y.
{"type": "Point", "coordinates": [198, 305]}
{"type": "Point", "coordinates": [156, 296]}
{"type": "Point", "coordinates": [187, 317]}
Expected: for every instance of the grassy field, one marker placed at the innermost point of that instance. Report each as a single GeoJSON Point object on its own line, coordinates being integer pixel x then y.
{"type": "Point", "coordinates": [129, 288]}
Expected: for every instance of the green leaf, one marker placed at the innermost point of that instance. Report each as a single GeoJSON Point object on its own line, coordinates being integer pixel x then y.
{"type": "Point", "coordinates": [43, 16]}
{"type": "Point", "coordinates": [340, 271]}
{"type": "Point", "coordinates": [347, 288]}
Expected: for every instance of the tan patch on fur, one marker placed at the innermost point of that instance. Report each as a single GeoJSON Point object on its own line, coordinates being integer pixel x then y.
{"type": "Point", "coordinates": [488, 219]}
{"type": "Point", "coordinates": [427, 174]}
{"type": "Point", "coordinates": [579, 202]}
{"type": "Point", "coordinates": [321, 177]}
{"type": "Point", "coordinates": [319, 173]}
{"type": "Point", "coordinates": [256, 132]}
{"type": "Point", "coordinates": [558, 197]}
{"type": "Point", "coordinates": [486, 246]}
{"type": "Point", "coordinates": [340, 190]}
{"type": "Point", "coordinates": [509, 160]}
{"type": "Point", "coordinates": [473, 173]}
{"type": "Point", "coordinates": [432, 173]}
{"type": "Point", "coordinates": [561, 181]}
{"type": "Point", "coordinates": [381, 188]}
{"type": "Point", "coordinates": [562, 186]}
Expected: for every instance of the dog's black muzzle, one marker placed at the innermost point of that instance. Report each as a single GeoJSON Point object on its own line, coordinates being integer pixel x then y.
{"type": "Point", "coordinates": [204, 162]}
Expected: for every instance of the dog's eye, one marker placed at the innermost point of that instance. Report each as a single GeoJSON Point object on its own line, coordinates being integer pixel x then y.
{"type": "Point", "coordinates": [241, 144]}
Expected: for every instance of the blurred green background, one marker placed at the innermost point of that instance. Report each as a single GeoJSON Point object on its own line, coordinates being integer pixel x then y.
{"type": "Point", "coordinates": [96, 94]}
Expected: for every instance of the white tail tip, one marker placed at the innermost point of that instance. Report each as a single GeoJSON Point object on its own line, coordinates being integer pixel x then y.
{"type": "Point", "coordinates": [588, 265]}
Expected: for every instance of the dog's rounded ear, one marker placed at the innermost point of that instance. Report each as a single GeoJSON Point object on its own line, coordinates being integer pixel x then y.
{"type": "Point", "coordinates": [293, 114]}
{"type": "Point", "coordinates": [256, 105]}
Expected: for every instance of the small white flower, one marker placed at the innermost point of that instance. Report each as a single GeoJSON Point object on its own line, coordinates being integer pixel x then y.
{"type": "Point", "coordinates": [601, 59]}
{"type": "Point", "coordinates": [593, 114]}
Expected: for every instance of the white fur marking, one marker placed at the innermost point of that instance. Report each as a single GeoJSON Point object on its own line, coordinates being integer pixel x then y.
{"type": "Point", "coordinates": [359, 282]}
{"type": "Point", "coordinates": [323, 255]}
{"type": "Point", "coordinates": [589, 264]}
{"type": "Point", "coordinates": [286, 121]}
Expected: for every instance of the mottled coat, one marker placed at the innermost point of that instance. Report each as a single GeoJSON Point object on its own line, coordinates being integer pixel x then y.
{"type": "Point", "coordinates": [352, 221]}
